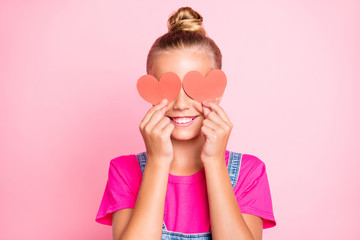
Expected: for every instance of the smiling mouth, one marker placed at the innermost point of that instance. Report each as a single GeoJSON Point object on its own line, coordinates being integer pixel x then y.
{"type": "Point", "coordinates": [182, 120]}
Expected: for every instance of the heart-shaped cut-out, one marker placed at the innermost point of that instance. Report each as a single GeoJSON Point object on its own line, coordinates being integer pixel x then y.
{"type": "Point", "coordinates": [202, 88]}
{"type": "Point", "coordinates": [153, 90]}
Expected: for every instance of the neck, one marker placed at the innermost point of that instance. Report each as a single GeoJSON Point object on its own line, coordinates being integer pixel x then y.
{"type": "Point", "coordinates": [187, 156]}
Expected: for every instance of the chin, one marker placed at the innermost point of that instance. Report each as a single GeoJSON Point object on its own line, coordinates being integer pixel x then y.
{"type": "Point", "coordinates": [184, 135]}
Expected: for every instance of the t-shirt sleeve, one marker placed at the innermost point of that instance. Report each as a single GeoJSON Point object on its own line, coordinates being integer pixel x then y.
{"type": "Point", "coordinates": [122, 187]}
{"type": "Point", "coordinates": [252, 190]}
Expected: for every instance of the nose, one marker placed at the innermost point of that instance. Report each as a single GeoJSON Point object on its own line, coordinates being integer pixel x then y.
{"type": "Point", "coordinates": [182, 101]}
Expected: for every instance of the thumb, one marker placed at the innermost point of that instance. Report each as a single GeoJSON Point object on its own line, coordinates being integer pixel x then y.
{"type": "Point", "coordinates": [206, 111]}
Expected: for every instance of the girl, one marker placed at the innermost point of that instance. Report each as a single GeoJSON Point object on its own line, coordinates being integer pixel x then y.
{"type": "Point", "coordinates": [186, 185]}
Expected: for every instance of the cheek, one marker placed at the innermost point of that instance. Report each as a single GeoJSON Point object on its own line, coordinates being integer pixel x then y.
{"type": "Point", "coordinates": [198, 107]}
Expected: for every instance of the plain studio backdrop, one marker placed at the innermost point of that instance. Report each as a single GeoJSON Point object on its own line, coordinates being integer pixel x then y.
{"type": "Point", "coordinates": [69, 104]}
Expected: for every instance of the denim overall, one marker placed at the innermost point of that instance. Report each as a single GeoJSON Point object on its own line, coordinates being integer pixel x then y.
{"type": "Point", "coordinates": [233, 167]}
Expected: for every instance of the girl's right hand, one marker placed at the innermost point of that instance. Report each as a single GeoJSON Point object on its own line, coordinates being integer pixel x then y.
{"type": "Point", "coordinates": [156, 129]}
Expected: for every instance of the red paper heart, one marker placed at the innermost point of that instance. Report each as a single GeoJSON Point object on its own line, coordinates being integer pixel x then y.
{"type": "Point", "coordinates": [153, 90]}
{"type": "Point", "coordinates": [202, 88]}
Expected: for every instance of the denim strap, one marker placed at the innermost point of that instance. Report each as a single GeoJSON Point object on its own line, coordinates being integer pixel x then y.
{"type": "Point", "coordinates": [141, 157]}
{"type": "Point", "coordinates": [234, 164]}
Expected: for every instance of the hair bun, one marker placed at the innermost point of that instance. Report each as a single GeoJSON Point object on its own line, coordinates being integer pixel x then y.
{"type": "Point", "coordinates": [186, 19]}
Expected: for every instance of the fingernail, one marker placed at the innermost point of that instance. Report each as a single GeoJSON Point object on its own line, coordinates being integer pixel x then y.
{"type": "Point", "coordinates": [164, 101]}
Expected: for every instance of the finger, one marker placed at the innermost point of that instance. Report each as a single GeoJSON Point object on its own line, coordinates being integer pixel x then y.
{"type": "Point", "coordinates": [168, 129]}
{"type": "Point", "coordinates": [216, 108]}
{"type": "Point", "coordinates": [152, 110]}
{"type": "Point", "coordinates": [206, 111]}
{"type": "Point", "coordinates": [214, 117]}
{"type": "Point", "coordinates": [208, 132]}
{"type": "Point", "coordinates": [155, 108]}
{"type": "Point", "coordinates": [210, 124]}
{"type": "Point", "coordinates": [162, 124]}
{"type": "Point", "coordinates": [155, 118]}
{"type": "Point", "coordinates": [219, 110]}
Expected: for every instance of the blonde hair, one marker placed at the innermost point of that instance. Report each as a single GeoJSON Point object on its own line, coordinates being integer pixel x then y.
{"type": "Point", "coordinates": [185, 31]}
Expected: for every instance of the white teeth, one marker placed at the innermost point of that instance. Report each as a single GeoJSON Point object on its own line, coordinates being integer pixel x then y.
{"type": "Point", "coordinates": [182, 120]}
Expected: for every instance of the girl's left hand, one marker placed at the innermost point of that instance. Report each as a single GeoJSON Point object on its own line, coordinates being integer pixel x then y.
{"type": "Point", "coordinates": [216, 129]}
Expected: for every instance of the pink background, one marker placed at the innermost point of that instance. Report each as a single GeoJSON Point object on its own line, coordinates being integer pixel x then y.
{"type": "Point", "coordinates": [69, 104]}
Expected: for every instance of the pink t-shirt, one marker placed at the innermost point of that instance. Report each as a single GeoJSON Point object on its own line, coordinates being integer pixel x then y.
{"type": "Point", "coordinates": [186, 204]}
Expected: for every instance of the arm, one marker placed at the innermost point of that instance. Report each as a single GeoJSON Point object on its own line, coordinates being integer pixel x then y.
{"type": "Point", "coordinates": [145, 220]}
{"type": "Point", "coordinates": [227, 221]}
{"type": "Point", "coordinates": [255, 224]}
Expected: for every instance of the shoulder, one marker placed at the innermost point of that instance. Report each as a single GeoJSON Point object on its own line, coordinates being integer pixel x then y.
{"type": "Point", "coordinates": [248, 162]}
{"type": "Point", "coordinates": [123, 160]}
{"type": "Point", "coordinates": [252, 169]}
{"type": "Point", "coordinates": [126, 166]}
{"type": "Point", "coordinates": [253, 191]}
{"type": "Point", "coordinates": [251, 163]}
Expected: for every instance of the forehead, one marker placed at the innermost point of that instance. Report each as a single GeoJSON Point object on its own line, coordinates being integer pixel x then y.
{"type": "Point", "coordinates": [181, 62]}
